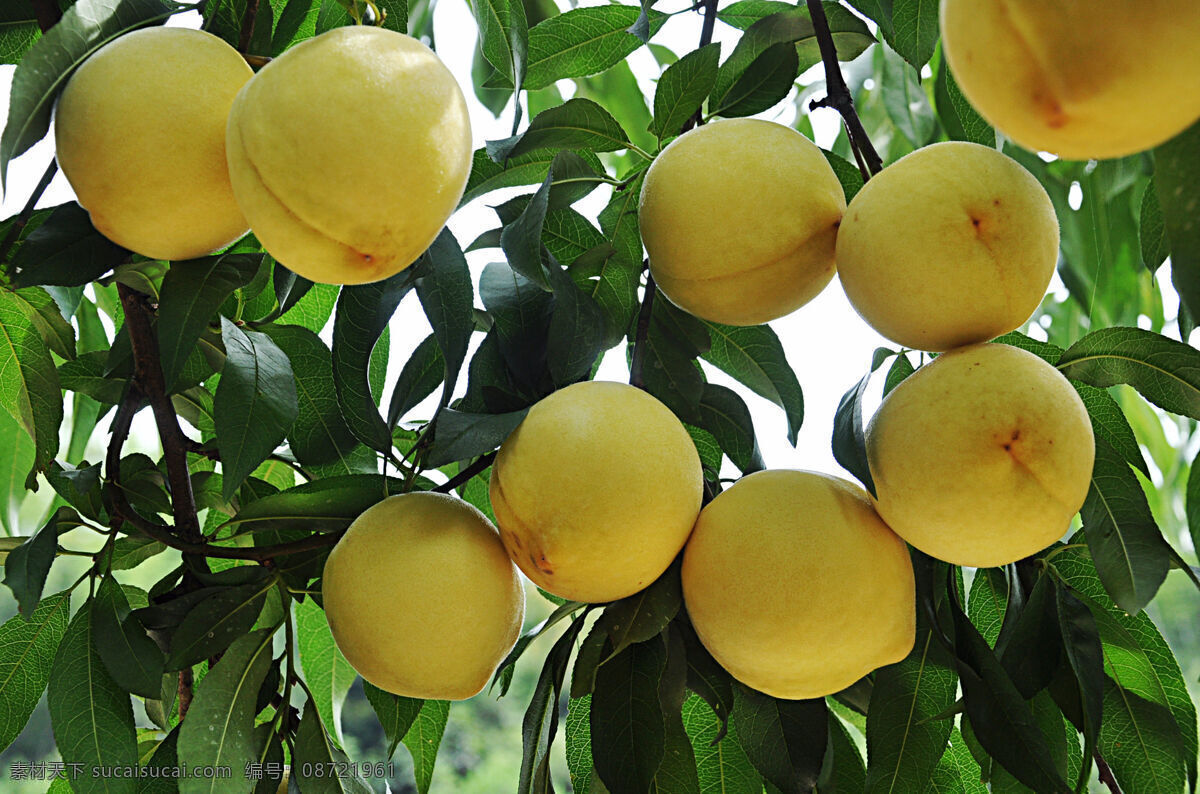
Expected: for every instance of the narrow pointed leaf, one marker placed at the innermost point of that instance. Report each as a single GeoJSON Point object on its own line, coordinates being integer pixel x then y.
{"type": "Point", "coordinates": [132, 659]}
{"type": "Point", "coordinates": [27, 651]}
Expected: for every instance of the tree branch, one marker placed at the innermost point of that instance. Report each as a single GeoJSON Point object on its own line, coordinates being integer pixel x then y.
{"type": "Point", "coordinates": [14, 231]}
{"type": "Point", "coordinates": [1106, 775]}
{"type": "Point", "coordinates": [148, 375]}
{"type": "Point", "coordinates": [248, 20]}
{"type": "Point", "coordinates": [839, 97]}
{"type": "Point", "coordinates": [47, 12]}
{"type": "Point", "coordinates": [481, 463]}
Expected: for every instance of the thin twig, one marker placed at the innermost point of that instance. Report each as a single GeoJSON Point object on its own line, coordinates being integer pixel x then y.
{"type": "Point", "coordinates": [248, 20]}
{"type": "Point", "coordinates": [481, 463]}
{"type": "Point", "coordinates": [14, 231]}
{"type": "Point", "coordinates": [185, 691]}
{"type": "Point", "coordinates": [839, 97]}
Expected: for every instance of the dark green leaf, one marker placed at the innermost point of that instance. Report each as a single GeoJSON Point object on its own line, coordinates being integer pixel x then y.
{"type": "Point", "coordinates": [297, 21]}
{"type": "Point", "coordinates": [363, 313]}
{"type": "Point", "coordinates": [582, 42]}
{"type": "Point", "coordinates": [961, 121]}
{"type": "Point", "coordinates": [1110, 424]}
{"type": "Point", "coordinates": [850, 35]}
{"type": "Point", "coordinates": [764, 83]}
{"type": "Point", "coordinates": [849, 438]}
{"type": "Point", "coordinates": [521, 238]}
{"type": "Point", "coordinates": [422, 373]}
{"type": "Point", "coordinates": [219, 730]}
{"type": "Point", "coordinates": [1031, 649]}
{"type": "Point", "coordinates": [1140, 742]}
{"type": "Point", "coordinates": [576, 331]}
{"type": "Point", "coordinates": [319, 434]}
{"type": "Point", "coordinates": [721, 765]}
{"type": "Point", "coordinates": [521, 313]}
{"type": "Point", "coordinates": [85, 27]}
{"type": "Point", "coordinates": [130, 656]}
{"type": "Point", "coordinates": [504, 672]}
{"type": "Point", "coordinates": [643, 615]}
{"type": "Point", "coordinates": [1164, 371]}
{"type": "Point", "coordinates": [1130, 553]}
{"type": "Point", "coordinates": [396, 714]}
{"type": "Point", "coordinates": [503, 37]}
{"type": "Point", "coordinates": [27, 649]}
{"type": "Point", "coordinates": [754, 356]}
{"type": "Point", "coordinates": [44, 312]}
{"type": "Point", "coordinates": [459, 436]}
{"type": "Point", "coordinates": [540, 723]}
{"type": "Point", "coordinates": [488, 175]}
{"type": "Point", "coordinates": [999, 716]}
{"type": "Point", "coordinates": [26, 566]}
{"type": "Point", "coordinates": [1193, 502]}
{"type": "Point", "coordinates": [1084, 655]}
{"type": "Point", "coordinates": [1177, 181]}
{"type": "Point", "coordinates": [328, 504]}
{"type": "Point", "coordinates": [424, 738]}
{"type": "Point", "coordinates": [216, 621]}
{"type": "Point", "coordinates": [255, 405]}
{"type": "Point", "coordinates": [847, 173]}
{"type": "Point", "coordinates": [627, 724]}
{"type": "Point", "coordinates": [18, 31]}
{"type": "Point", "coordinates": [784, 739]}
{"type": "Point", "coordinates": [724, 414]}
{"type": "Point", "coordinates": [318, 765]}
{"type": "Point", "coordinates": [444, 289]}
{"type": "Point", "coordinates": [575, 124]}
{"type": "Point", "coordinates": [192, 292]}
{"type": "Point", "coordinates": [903, 742]}
{"type": "Point", "coordinates": [682, 89]}
{"type": "Point", "coordinates": [903, 98]}
{"type": "Point", "coordinates": [92, 717]}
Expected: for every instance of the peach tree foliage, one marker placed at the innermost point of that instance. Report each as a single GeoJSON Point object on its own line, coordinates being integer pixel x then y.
{"type": "Point", "coordinates": [273, 440]}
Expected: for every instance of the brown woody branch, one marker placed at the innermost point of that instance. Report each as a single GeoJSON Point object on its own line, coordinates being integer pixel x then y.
{"type": "Point", "coordinates": [248, 20]}
{"type": "Point", "coordinates": [1106, 775]}
{"type": "Point", "coordinates": [838, 95]}
{"type": "Point", "coordinates": [481, 463]}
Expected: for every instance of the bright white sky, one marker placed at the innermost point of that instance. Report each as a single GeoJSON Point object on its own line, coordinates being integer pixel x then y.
{"type": "Point", "coordinates": [827, 344]}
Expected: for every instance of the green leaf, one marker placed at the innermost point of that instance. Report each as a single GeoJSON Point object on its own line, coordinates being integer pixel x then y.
{"type": "Point", "coordinates": [851, 36]}
{"type": "Point", "coordinates": [961, 121]}
{"type": "Point", "coordinates": [255, 404]}
{"type": "Point", "coordinates": [988, 602]}
{"type": "Point", "coordinates": [583, 42]}
{"type": "Point", "coordinates": [878, 11]}
{"type": "Point", "coordinates": [298, 21]}
{"type": "Point", "coordinates": [904, 743]}
{"type": "Point", "coordinates": [721, 765]}
{"type": "Point", "coordinates": [422, 373]}
{"type": "Point", "coordinates": [575, 124]}
{"type": "Point", "coordinates": [848, 773]}
{"type": "Point", "coordinates": [576, 331]}
{"type": "Point", "coordinates": [44, 312]}
{"type": "Point", "coordinates": [85, 27]}
{"type": "Point", "coordinates": [847, 173]}
{"type": "Point", "coordinates": [783, 27]}
{"type": "Point", "coordinates": [521, 238]}
{"type": "Point", "coordinates": [764, 83]}
{"type": "Point", "coordinates": [905, 101]}
{"type": "Point", "coordinates": [915, 30]}
{"type": "Point", "coordinates": [88, 375]}
{"type": "Point", "coordinates": [1084, 655]}
{"type": "Point", "coordinates": [488, 175]}
{"type": "Point", "coordinates": [503, 37]}
{"type": "Point", "coordinates": [313, 308]}
{"type": "Point", "coordinates": [29, 388]}
{"type": "Point", "coordinates": [579, 744]}
{"type": "Point", "coordinates": [504, 672]}
{"type": "Point", "coordinates": [1177, 171]}
{"type": "Point", "coordinates": [363, 313]}
{"type": "Point", "coordinates": [627, 723]}
{"type": "Point", "coordinates": [444, 289]}
{"type": "Point", "coordinates": [849, 438]}
{"type": "Point", "coordinates": [755, 357]}
{"type": "Point", "coordinates": [1130, 553]}
{"type": "Point", "coordinates": [318, 765]}
{"type": "Point", "coordinates": [1152, 230]}
{"type": "Point", "coordinates": [27, 650]}
{"type": "Point", "coordinates": [326, 670]}
{"type": "Point", "coordinates": [670, 371]}
{"type": "Point", "coordinates": [424, 738]}
{"type": "Point", "coordinates": [1164, 371]}
{"type": "Point", "coordinates": [1139, 740]}
{"type": "Point", "coordinates": [784, 739]}
{"type": "Point", "coordinates": [1193, 502]}
{"type": "Point", "coordinates": [219, 730]}
{"type": "Point", "coordinates": [26, 565]}
{"type": "Point", "coordinates": [130, 656]}
{"type": "Point", "coordinates": [92, 717]}
{"type": "Point", "coordinates": [396, 714]}
{"type": "Point", "coordinates": [957, 772]}
{"type": "Point", "coordinates": [1110, 424]}
{"type": "Point", "coordinates": [16, 459]}
{"type": "Point", "coordinates": [682, 89]}
{"type": "Point", "coordinates": [215, 622]}
{"type": "Point", "coordinates": [460, 436]}
{"type": "Point", "coordinates": [192, 292]}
